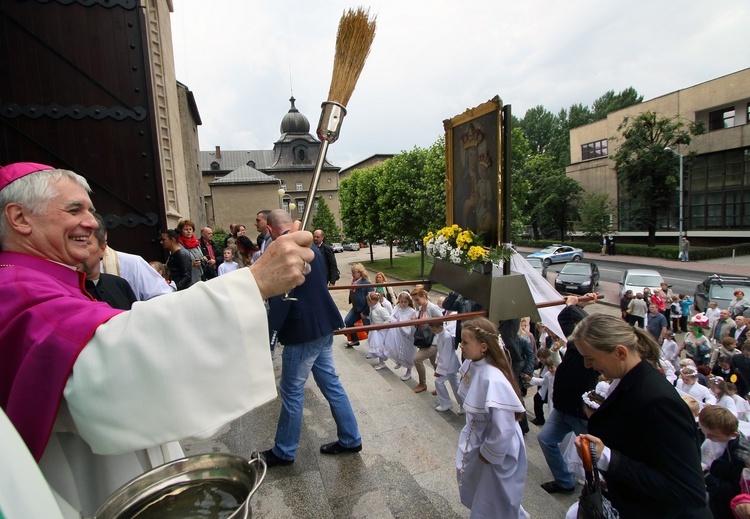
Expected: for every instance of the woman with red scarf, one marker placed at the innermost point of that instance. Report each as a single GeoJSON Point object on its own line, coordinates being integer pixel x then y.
{"type": "Point", "coordinates": [190, 243]}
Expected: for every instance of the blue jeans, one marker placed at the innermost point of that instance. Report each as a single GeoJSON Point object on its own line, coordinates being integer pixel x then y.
{"type": "Point", "coordinates": [557, 426]}
{"type": "Point", "coordinates": [352, 317]}
{"type": "Point", "coordinates": [298, 360]}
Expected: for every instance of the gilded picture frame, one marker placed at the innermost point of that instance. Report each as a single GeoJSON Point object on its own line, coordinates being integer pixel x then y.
{"type": "Point", "coordinates": [474, 159]}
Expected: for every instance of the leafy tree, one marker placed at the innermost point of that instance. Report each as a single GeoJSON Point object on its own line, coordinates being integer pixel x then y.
{"type": "Point", "coordinates": [595, 211]}
{"type": "Point", "coordinates": [533, 174]}
{"type": "Point", "coordinates": [611, 102]}
{"type": "Point", "coordinates": [368, 208]}
{"type": "Point", "coordinates": [538, 125]}
{"type": "Point", "coordinates": [646, 173]}
{"type": "Point", "coordinates": [348, 191]}
{"type": "Point", "coordinates": [412, 194]}
{"type": "Point", "coordinates": [558, 205]}
{"type": "Point", "coordinates": [399, 200]}
{"type": "Point", "coordinates": [520, 189]}
{"type": "Point", "coordinates": [579, 115]}
{"type": "Point", "coordinates": [326, 222]}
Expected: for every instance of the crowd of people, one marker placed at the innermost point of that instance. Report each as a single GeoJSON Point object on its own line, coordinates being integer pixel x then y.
{"type": "Point", "coordinates": [73, 306]}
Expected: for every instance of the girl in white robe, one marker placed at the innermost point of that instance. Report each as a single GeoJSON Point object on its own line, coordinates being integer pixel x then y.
{"type": "Point", "coordinates": [376, 338]}
{"type": "Point", "coordinates": [491, 457]}
{"type": "Point", "coordinates": [399, 342]}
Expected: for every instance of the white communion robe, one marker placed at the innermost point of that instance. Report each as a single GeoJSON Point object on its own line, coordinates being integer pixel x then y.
{"type": "Point", "coordinates": [174, 367]}
{"type": "Point", "coordinates": [494, 489]}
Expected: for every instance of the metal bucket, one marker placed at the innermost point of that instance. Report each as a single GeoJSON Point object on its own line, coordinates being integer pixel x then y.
{"type": "Point", "coordinates": [216, 486]}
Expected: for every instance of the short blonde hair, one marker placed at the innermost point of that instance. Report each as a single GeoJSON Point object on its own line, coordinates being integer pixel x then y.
{"type": "Point", "coordinates": [358, 267]}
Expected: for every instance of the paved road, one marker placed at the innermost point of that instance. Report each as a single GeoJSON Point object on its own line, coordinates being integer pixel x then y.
{"type": "Point", "coordinates": [682, 276]}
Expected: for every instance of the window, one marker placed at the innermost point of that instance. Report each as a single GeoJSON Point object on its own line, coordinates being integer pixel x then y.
{"type": "Point", "coordinates": [720, 119]}
{"type": "Point", "coordinates": [214, 166]}
{"type": "Point", "coordinates": [594, 150]}
{"type": "Point", "coordinates": [283, 186]}
{"type": "Point", "coordinates": [300, 205]}
{"type": "Point", "coordinates": [299, 186]}
{"type": "Point", "coordinates": [315, 205]}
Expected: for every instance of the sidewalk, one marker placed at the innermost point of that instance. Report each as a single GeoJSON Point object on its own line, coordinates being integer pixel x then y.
{"type": "Point", "coordinates": [407, 465]}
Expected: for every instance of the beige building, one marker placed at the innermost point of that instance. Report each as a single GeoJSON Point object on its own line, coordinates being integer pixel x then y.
{"type": "Point", "coordinates": [716, 181]}
{"type": "Point", "coordinates": [239, 183]}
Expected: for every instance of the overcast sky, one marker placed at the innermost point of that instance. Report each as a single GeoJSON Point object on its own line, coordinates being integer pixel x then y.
{"type": "Point", "coordinates": [432, 59]}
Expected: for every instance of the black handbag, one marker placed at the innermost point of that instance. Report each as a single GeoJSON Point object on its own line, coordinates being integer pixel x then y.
{"type": "Point", "coordinates": [423, 338]}
{"type": "Point", "coordinates": [592, 504]}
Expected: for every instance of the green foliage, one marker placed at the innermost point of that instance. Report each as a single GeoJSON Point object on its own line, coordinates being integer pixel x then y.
{"type": "Point", "coordinates": [611, 102]}
{"type": "Point", "coordinates": [519, 187]}
{"type": "Point", "coordinates": [399, 200]}
{"type": "Point", "coordinates": [645, 171]}
{"type": "Point", "coordinates": [326, 222]}
{"type": "Point", "coordinates": [595, 211]}
{"type": "Point", "coordinates": [538, 125]}
{"type": "Point", "coordinates": [552, 200]}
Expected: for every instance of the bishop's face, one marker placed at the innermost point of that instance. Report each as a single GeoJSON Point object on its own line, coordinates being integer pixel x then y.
{"type": "Point", "coordinates": [62, 233]}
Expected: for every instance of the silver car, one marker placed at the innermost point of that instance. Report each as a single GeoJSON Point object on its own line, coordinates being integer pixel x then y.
{"type": "Point", "coordinates": [638, 279]}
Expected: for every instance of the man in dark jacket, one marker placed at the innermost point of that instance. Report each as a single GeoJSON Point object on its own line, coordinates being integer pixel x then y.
{"type": "Point", "coordinates": [305, 326]}
{"type": "Point", "coordinates": [212, 256]}
{"type": "Point", "coordinates": [572, 379]}
{"type": "Point", "coordinates": [111, 289]}
{"type": "Point", "coordinates": [332, 268]}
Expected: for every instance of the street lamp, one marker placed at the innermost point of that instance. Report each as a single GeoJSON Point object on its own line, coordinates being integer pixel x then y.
{"type": "Point", "coordinates": [670, 150]}
{"type": "Point", "coordinates": [292, 207]}
{"type": "Point", "coordinates": [281, 193]}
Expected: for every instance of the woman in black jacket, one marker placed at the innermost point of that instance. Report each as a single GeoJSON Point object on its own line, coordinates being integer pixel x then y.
{"type": "Point", "coordinates": [179, 263]}
{"type": "Point", "coordinates": [644, 432]}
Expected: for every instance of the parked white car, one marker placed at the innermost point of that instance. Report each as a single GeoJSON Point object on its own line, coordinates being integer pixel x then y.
{"type": "Point", "coordinates": [638, 279]}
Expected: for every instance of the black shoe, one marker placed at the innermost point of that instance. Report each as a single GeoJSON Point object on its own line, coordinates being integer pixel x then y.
{"type": "Point", "coordinates": [352, 344]}
{"type": "Point", "coordinates": [538, 422]}
{"type": "Point", "coordinates": [337, 448]}
{"type": "Point", "coordinates": [271, 459]}
{"type": "Point", "coordinates": [551, 487]}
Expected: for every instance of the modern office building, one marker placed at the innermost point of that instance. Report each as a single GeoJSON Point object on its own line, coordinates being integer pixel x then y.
{"type": "Point", "coordinates": [716, 173]}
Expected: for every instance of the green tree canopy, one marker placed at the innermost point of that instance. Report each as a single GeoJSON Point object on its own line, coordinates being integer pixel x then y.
{"type": "Point", "coordinates": [611, 102]}
{"type": "Point", "coordinates": [647, 173]}
{"type": "Point", "coordinates": [326, 222]}
{"type": "Point", "coordinates": [595, 211]}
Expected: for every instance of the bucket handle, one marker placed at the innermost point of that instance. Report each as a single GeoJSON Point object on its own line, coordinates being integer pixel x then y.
{"type": "Point", "coordinates": [263, 468]}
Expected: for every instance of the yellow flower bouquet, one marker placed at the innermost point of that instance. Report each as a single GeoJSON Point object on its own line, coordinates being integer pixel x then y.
{"type": "Point", "coordinates": [462, 247]}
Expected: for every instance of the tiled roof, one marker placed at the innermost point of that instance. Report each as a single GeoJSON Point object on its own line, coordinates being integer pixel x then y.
{"type": "Point", "coordinates": [245, 175]}
{"type": "Point", "coordinates": [233, 159]}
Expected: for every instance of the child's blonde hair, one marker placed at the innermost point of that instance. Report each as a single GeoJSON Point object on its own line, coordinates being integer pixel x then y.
{"type": "Point", "coordinates": [719, 419]}
{"type": "Point", "coordinates": [693, 404]}
{"type": "Point", "coordinates": [374, 296]}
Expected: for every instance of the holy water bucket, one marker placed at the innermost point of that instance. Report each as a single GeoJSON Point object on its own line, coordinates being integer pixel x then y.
{"type": "Point", "coordinates": [216, 486]}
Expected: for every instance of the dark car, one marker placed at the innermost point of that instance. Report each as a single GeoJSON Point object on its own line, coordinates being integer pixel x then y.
{"type": "Point", "coordinates": [577, 278]}
{"type": "Point", "coordinates": [720, 289]}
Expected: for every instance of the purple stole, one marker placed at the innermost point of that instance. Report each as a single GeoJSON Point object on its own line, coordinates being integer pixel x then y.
{"type": "Point", "coordinates": [46, 318]}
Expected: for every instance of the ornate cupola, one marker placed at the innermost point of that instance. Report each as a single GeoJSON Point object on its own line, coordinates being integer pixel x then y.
{"type": "Point", "coordinates": [294, 121]}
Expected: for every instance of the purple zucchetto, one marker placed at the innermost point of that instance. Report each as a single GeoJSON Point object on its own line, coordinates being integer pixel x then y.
{"type": "Point", "coordinates": [17, 170]}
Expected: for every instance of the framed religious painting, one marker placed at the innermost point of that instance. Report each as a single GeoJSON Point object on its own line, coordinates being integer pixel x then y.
{"type": "Point", "coordinates": [475, 155]}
